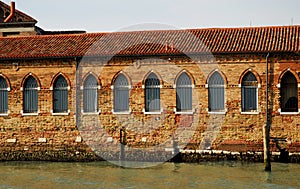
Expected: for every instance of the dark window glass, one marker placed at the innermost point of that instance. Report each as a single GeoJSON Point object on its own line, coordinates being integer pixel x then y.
{"type": "Point", "coordinates": [152, 93]}
{"type": "Point", "coordinates": [289, 93]}
{"type": "Point", "coordinates": [90, 94]}
{"type": "Point", "coordinates": [3, 96]}
{"type": "Point", "coordinates": [30, 101]}
{"type": "Point", "coordinates": [216, 97]}
{"type": "Point", "coordinates": [121, 94]}
{"type": "Point", "coordinates": [60, 95]}
{"type": "Point", "coordinates": [183, 93]}
{"type": "Point", "coordinates": [249, 92]}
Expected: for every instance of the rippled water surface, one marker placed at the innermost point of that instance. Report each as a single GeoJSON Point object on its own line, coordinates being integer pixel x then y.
{"type": "Point", "coordinates": [168, 175]}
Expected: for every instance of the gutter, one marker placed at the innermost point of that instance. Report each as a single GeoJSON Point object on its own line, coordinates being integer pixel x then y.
{"type": "Point", "coordinates": [39, 58]}
{"type": "Point", "coordinates": [16, 23]}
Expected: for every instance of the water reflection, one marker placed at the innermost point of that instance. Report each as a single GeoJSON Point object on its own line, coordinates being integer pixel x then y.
{"type": "Point", "coordinates": [168, 175]}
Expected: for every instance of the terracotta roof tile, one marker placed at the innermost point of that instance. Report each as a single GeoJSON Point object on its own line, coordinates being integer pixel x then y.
{"type": "Point", "coordinates": [217, 40]}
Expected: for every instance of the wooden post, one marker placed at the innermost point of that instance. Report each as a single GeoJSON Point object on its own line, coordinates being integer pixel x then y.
{"type": "Point", "coordinates": [267, 158]}
{"type": "Point", "coordinates": [266, 127]}
{"type": "Point", "coordinates": [122, 143]}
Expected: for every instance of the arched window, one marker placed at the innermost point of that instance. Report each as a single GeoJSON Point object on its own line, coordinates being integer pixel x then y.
{"type": "Point", "coordinates": [152, 93]}
{"type": "Point", "coordinates": [289, 93]}
{"type": "Point", "coordinates": [90, 94]}
{"type": "Point", "coordinates": [121, 94]}
{"type": "Point", "coordinates": [216, 97]}
{"type": "Point", "coordinates": [184, 93]}
{"type": "Point", "coordinates": [3, 96]}
{"type": "Point", "coordinates": [60, 95]}
{"type": "Point", "coordinates": [30, 99]}
{"type": "Point", "coordinates": [249, 92]}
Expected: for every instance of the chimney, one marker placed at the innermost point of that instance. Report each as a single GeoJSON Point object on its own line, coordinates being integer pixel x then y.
{"type": "Point", "coordinates": [12, 12]}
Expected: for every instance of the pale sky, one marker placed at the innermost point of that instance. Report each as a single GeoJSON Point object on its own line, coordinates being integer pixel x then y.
{"type": "Point", "coordinates": [113, 15]}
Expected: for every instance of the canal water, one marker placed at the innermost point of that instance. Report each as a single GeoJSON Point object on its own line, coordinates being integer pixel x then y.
{"type": "Point", "coordinates": [167, 175]}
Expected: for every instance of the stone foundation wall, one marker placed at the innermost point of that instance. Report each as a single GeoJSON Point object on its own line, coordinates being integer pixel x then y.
{"type": "Point", "coordinates": [72, 155]}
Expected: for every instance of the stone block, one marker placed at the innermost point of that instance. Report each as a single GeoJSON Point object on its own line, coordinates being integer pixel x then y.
{"type": "Point", "coordinates": [12, 140]}
{"type": "Point", "coordinates": [42, 140]}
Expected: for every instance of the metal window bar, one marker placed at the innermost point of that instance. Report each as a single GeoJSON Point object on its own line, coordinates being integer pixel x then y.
{"type": "Point", "coordinates": [249, 98]}
{"type": "Point", "coordinates": [90, 95]}
{"type": "Point", "coordinates": [30, 100]}
{"type": "Point", "coordinates": [3, 96]}
{"type": "Point", "coordinates": [121, 94]}
{"type": "Point", "coordinates": [152, 94]}
{"type": "Point", "coordinates": [289, 93]}
{"type": "Point", "coordinates": [60, 95]}
{"type": "Point", "coordinates": [216, 90]}
{"type": "Point", "coordinates": [184, 93]}
{"type": "Point", "coordinates": [249, 92]}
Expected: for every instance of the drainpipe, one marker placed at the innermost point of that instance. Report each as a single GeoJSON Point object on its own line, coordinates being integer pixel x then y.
{"type": "Point", "coordinates": [266, 127]}
{"type": "Point", "coordinates": [12, 12]}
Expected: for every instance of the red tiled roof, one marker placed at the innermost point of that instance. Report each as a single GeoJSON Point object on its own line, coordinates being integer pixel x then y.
{"type": "Point", "coordinates": [217, 40]}
{"type": "Point", "coordinates": [18, 14]}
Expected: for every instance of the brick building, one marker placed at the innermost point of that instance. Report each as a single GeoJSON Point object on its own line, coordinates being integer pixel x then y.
{"type": "Point", "coordinates": [57, 88]}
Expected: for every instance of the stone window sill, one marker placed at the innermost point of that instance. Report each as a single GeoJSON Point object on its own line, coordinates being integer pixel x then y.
{"type": "Point", "coordinates": [187, 112]}
{"type": "Point", "coordinates": [289, 113]}
{"type": "Point", "coordinates": [91, 113]}
{"type": "Point", "coordinates": [60, 113]}
{"type": "Point", "coordinates": [250, 113]}
{"type": "Point", "coordinates": [30, 114]}
{"type": "Point", "coordinates": [122, 113]}
{"type": "Point", "coordinates": [4, 114]}
{"type": "Point", "coordinates": [217, 113]}
{"type": "Point", "coordinates": [153, 113]}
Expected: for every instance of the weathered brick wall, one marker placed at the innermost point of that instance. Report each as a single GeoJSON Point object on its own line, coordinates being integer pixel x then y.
{"type": "Point", "coordinates": [238, 132]}
{"type": "Point", "coordinates": [28, 131]}
{"type": "Point", "coordinates": [232, 131]}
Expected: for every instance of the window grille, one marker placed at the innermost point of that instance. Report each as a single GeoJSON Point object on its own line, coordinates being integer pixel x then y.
{"type": "Point", "coordinates": [30, 98]}
{"type": "Point", "coordinates": [216, 99]}
{"type": "Point", "coordinates": [152, 93]}
{"type": "Point", "coordinates": [121, 94]}
{"type": "Point", "coordinates": [3, 96]}
{"type": "Point", "coordinates": [289, 93]}
{"type": "Point", "coordinates": [183, 93]}
{"type": "Point", "coordinates": [60, 95]}
{"type": "Point", "coordinates": [90, 94]}
{"type": "Point", "coordinates": [249, 92]}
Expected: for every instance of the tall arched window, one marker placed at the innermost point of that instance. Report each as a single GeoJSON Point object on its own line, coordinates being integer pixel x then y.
{"type": "Point", "coordinates": [60, 95]}
{"type": "Point", "coordinates": [121, 94]}
{"type": "Point", "coordinates": [3, 96]}
{"type": "Point", "coordinates": [90, 94]}
{"type": "Point", "coordinates": [152, 93]}
{"type": "Point", "coordinates": [30, 96]}
{"type": "Point", "coordinates": [184, 93]}
{"type": "Point", "coordinates": [289, 93]}
{"type": "Point", "coordinates": [249, 92]}
{"type": "Point", "coordinates": [216, 99]}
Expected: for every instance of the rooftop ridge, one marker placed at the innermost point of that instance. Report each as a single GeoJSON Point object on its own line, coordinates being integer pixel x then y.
{"type": "Point", "coordinates": [217, 40]}
{"type": "Point", "coordinates": [157, 31]}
